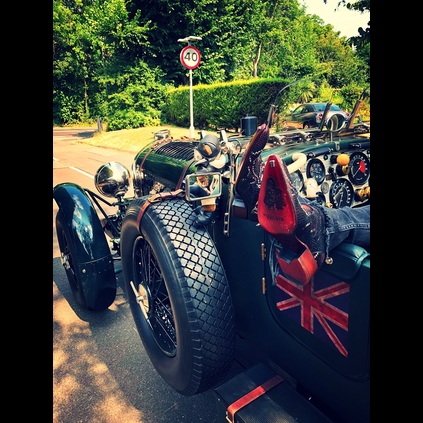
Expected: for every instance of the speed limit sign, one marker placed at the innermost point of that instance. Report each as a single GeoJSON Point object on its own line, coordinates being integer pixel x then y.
{"type": "Point", "coordinates": [190, 57]}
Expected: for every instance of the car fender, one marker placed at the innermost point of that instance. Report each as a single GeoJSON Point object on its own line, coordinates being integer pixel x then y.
{"type": "Point", "coordinates": [92, 252]}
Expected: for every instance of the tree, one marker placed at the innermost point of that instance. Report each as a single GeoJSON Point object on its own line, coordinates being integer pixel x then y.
{"type": "Point", "coordinates": [90, 41]}
{"type": "Point", "coordinates": [115, 58]}
{"type": "Point", "coordinates": [360, 42]}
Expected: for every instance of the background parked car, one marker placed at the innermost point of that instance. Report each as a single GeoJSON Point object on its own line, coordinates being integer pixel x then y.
{"type": "Point", "coordinates": [310, 115]}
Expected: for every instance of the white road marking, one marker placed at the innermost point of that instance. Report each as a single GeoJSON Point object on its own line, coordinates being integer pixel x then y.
{"type": "Point", "coordinates": [76, 169]}
{"type": "Point", "coordinates": [81, 171]}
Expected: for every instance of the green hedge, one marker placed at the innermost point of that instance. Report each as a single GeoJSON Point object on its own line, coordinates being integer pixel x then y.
{"type": "Point", "coordinates": [223, 105]}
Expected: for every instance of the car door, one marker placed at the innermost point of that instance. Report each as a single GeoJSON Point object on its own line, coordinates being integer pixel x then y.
{"type": "Point", "coordinates": [295, 119]}
{"type": "Point", "coordinates": [308, 116]}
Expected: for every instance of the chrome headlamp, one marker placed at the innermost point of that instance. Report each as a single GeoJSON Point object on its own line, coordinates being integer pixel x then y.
{"type": "Point", "coordinates": [112, 179]}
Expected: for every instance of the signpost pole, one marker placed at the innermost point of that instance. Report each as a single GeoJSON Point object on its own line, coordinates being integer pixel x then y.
{"type": "Point", "coordinates": [190, 61]}
{"type": "Point", "coordinates": [191, 107]}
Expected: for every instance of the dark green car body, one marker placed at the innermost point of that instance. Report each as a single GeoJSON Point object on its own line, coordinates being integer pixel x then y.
{"type": "Point", "coordinates": [203, 296]}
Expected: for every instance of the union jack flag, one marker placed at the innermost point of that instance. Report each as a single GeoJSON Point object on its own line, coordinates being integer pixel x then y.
{"type": "Point", "coordinates": [320, 307]}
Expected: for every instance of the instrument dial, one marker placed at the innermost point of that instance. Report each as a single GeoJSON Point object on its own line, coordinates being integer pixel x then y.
{"type": "Point", "coordinates": [359, 168]}
{"type": "Point", "coordinates": [316, 169]}
{"type": "Point", "coordinates": [324, 187]}
{"type": "Point", "coordinates": [341, 193]}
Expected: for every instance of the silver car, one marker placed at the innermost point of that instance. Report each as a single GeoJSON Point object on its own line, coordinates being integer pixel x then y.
{"type": "Point", "coordinates": [310, 115]}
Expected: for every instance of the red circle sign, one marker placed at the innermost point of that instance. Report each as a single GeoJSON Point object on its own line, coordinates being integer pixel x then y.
{"type": "Point", "coordinates": [190, 57]}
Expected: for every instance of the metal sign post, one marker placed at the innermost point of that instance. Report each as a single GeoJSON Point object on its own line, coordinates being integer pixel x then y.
{"type": "Point", "coordinates": [190, 58]}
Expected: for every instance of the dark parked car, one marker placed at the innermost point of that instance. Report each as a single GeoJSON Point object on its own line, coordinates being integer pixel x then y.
{"type": "Point", "coordinates": [310, 115]}
{"type": "Point", "coordinates": [206, 293]}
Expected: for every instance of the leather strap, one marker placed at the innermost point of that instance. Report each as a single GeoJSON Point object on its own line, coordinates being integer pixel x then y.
{"type": "Point", "coordinates": [181, 178]}
{"type": "Point", "coordinates": [159, 142]}
{"type": "Point", "coordinates": [251, 396]}
{"type": "Point", "coordinates": [155, 198]}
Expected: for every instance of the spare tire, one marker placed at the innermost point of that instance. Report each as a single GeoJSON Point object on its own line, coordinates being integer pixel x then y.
{"type": "Point", "coordinates": [178, 293]}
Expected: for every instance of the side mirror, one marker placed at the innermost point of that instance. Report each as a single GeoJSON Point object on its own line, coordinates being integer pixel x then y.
{"type": "Point", "coordinates": [199, 186]}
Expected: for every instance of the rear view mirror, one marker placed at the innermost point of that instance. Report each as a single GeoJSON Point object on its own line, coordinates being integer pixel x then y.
{"type": "Point", "coordinates": [199, 186]}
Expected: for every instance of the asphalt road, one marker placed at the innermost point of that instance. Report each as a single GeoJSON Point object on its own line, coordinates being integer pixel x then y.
{"type": "Point", "coordinates": [101, 372]}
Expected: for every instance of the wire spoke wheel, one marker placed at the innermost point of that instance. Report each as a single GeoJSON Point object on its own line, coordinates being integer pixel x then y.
{"type": "Point", "coordinates": [156, 305]}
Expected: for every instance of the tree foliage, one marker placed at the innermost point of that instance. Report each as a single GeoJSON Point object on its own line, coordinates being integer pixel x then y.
{"type": "Point", "coordinates": [362, 41]}
{"type": "Point", "coordinates": [116, 58]}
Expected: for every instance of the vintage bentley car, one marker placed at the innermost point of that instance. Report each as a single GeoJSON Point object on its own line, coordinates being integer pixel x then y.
{"type": "Point", "coordinates": [202, 287]}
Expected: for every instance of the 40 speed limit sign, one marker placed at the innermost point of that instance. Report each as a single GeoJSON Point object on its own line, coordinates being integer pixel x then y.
{"type": "Point", "coordinates": [190, 57]}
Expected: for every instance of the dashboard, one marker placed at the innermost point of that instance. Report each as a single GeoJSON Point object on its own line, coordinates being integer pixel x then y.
{"type": "Point", "coordinates": [336, 174]}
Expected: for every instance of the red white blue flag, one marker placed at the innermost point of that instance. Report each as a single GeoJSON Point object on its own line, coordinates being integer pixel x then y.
{"type": "Point", "coordinates": [320, 306]}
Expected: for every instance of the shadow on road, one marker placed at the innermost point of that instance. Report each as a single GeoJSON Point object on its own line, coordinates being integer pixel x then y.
{"type": "Point", "coordinates": [102, 372]}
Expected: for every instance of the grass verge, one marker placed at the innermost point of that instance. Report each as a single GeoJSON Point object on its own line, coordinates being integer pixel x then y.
{"type": "Point", "coordinates": [133, 140]}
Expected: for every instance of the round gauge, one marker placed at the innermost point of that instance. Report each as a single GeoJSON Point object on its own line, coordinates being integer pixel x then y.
{"type": "Point", "coordinates": [359, 168]}
{"type": "Point", "coordinates": [324, 187]}
{"type": "Point", "coordinates": [316, 169]}
{"type": "Point", "coordinates": [341, 193]}
{"type": "Point", "coordinates": [297, 179]}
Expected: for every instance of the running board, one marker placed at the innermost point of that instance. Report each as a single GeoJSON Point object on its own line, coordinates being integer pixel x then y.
{"type": "Point", "coordinates": [259, 394]}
